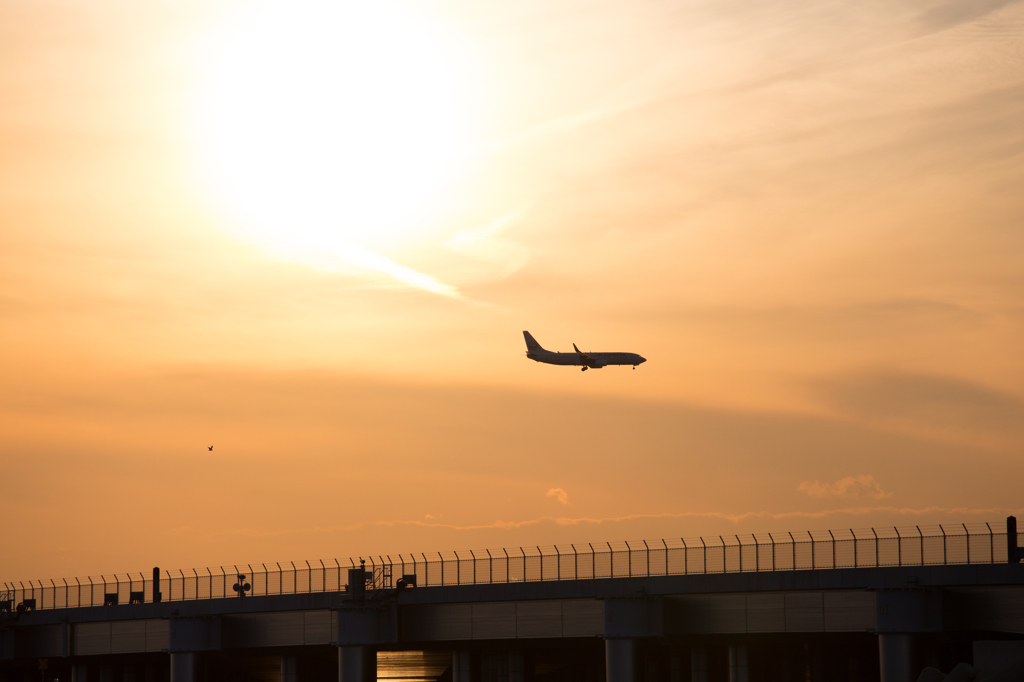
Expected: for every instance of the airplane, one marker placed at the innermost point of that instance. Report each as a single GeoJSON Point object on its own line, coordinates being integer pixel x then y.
{"type": "Point", "coordinates": [535, 352]}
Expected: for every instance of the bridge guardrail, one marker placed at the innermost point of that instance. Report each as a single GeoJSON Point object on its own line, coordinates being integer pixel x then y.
{"type": "Point", "coordinates": [830, 549]}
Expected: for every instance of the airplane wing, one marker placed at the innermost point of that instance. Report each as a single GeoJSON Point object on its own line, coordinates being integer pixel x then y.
{"type": "Point", "coordinates": [584, 357]}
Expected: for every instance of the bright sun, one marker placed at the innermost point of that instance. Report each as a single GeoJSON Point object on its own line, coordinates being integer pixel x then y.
{"type": "Point", "coordinates": [328, 123]}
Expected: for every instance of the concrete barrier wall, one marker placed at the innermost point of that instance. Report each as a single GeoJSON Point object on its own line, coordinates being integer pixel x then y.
{"type": "Point", "coordinates": [503, 620]}
{"type": "Point", "coordinates": [812, 611]}
{"type": "Point", "coordinates": [120, 637]}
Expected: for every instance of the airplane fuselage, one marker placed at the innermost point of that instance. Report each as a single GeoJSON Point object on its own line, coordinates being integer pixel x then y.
{"type": "Point", "coordinates": [574, 359]}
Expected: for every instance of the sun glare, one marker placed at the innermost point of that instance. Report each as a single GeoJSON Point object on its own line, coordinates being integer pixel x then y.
{"type": "Point", "coordinates": [332, 123]}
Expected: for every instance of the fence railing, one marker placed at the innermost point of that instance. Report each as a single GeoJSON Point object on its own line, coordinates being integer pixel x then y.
{"type": "Point", "coordinates": [831, 549]}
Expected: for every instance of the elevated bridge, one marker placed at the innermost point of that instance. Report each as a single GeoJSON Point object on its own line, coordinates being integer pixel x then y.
{"type": "Point", "coordinates": [850, 605]}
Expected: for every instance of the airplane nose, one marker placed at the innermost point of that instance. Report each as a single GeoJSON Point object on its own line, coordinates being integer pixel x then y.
{"type": "Point", "coordinates": [642, 359]}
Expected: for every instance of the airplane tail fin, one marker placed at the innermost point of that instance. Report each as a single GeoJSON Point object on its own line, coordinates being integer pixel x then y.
{"type": "Point", "coordinates": [531, 343]}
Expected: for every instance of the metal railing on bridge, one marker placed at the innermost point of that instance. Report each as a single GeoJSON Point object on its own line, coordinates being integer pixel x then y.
{"type": "Point", "coordinates": [810, 550]}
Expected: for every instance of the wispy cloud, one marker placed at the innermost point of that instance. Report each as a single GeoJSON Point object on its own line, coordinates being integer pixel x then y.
{"type": "Point", "coordinates": [849, 487]}
{"type": "Point", "coordinates": [737, 517]}
{"type": "Point", "coordinates": [488, 243]}
{"type": "Point", "coordinates": [560, 495]}
{"type": "Point", "coordinates": [369, 260]}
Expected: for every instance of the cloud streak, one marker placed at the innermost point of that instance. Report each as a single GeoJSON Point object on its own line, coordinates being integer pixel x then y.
{"type": "Point", "coordinates": [369, 260]}
{"type": "Point", "coordinates": [737, 517]}
{"type": "Point", "coordinates": [849, 487]}
{"type": "Point", "coordinates": [560, 495]}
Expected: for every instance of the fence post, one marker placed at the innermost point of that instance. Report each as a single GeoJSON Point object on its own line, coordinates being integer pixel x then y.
{"type": "Point", "coordinates": [593, 562]}
{"type": "Point", "coordinates": [575, 563]}
{"type": "Point", "coordinates": [813, 558]}
{"type": "Point", "coordinates": [686, 558]}
{"type": "Point", "coordinates": [739, 550]}
{"type": "Point", "coordinates": [722, 540]}
{"type": "Point", "coordinates": [705, 554]}
{"type": "Point", "coordinates": [521, 551]}
{"type": "Point", "coordinates": [648, 549]}
{"type": "Point", "coordinates": [968, 542]}
{"type": "Point", "coordinates": [611, 559]}
{"type": "Point", "coordinates": [508, 565]}
{"type": "Point", "coordinates": [757, 554]}
{"type": "Point", "coordinates": [792, 544]}
{"type": "Point", "coordinates": [899, 546]}
{"type": "Point", "coordinates": [473, 555]}
{"type": "Point", "coordinates": [854, 536]}
{"type": "Point", "coordinates": [876, 545]}
{"type": "Point", "coordinates": [490, 567]}
{"type": "Point", "coordinates": [773, 550]}
{"type": "Point", "coordinates": [629, 560]}
{"type": "Point", "coordinates": [1012, 552]}
{"type": "Point", "coordinates": [833, 548]}
{"type": "Point", "coordinates": [943, 530]}
{"type": "Point", "coordinates": [991, 545]}
{"type": "Point", "coordinates": [442, 567]}
{"type": "Point", "coordinates": [921, 536]}
{"type": "Point", "coordinates": [665, 544]}
{"type": "Point", "coordinates": [558, 563]}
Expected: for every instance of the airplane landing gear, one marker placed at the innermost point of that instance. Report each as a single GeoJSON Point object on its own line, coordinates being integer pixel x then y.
{"type": "Point", "coordinates": [583, 369]}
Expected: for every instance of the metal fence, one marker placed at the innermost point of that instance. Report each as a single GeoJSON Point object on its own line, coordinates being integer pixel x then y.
{"type": "Point", "coordinates": [861, 548]}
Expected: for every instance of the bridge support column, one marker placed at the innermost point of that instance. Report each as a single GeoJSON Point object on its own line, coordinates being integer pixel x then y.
{"type": "Point", "coordinates": [183, 666]}
{"type": "Point", "coordinates": [675, 667]}
{"type": "Point", "coordinates": [620, 660]}
{"type": "Point", "coordinates": [356, 664]}
{"type": "Point", "coordinates": [289, 669]}
{"type": "Point", "coordinates": [896, 657]}
{"type": "Point", "coordinates": [699, 664]}
{"type": "Point", "coordinates": [461, 666]}
{"type": "Point", "coordinates": [738, 669]}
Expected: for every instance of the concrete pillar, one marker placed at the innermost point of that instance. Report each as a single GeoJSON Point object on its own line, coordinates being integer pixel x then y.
{"type": "Point", "coordinates": [461, 662]}
{"type": "Point", "coordinates": [183, 667]}
{"type": "Point", "coordinates": [653, 667]}
{"type": "Point", "coordinates": [675, 667]}
{"type": "Point", "coordinates": [289, 669]}
{"type": "Point", "coordinates": [699, 664]}
{"type": "Point", "coordinates": [896, 658]}
{"type": "Point", "coordinates": [356, 664]}
{"type": "Point", "coordinates": [516, 666]}
{"type": "Point", "coordinates": [620, 660]}
{"type": "Point", "coordinates": [738, 670]}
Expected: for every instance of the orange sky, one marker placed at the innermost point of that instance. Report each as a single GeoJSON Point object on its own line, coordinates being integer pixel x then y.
{"type": "Point", "coordinates": [808, 218]}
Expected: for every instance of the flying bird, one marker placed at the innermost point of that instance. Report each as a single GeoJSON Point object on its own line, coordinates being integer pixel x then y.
{"type": "Point", "coordinates": [210, 448]}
